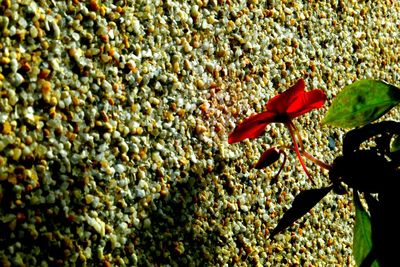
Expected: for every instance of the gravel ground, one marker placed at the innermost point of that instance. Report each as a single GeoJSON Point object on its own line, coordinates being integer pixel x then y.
{"type": "Point", "coordinates": [114, 118]}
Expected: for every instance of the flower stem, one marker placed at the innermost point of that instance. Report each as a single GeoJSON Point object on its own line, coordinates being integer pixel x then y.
{"type": "Point", "coordinates": [310, 157]}
{"type": "Point", "coordinates": [293, 132]}
{"type": "Point", "coordinates": [300, 140]}
{"type": "Point", "coordinates": [318, 162]}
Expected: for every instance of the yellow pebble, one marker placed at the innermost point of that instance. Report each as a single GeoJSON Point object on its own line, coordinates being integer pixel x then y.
{"type": "Point", "coordinates": [7, 128]}
{"type": "Point", "coordinates": [5, 60]}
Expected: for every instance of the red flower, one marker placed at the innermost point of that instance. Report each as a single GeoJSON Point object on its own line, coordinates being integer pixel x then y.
{"type": "Point", "coordinates": [281, 108]}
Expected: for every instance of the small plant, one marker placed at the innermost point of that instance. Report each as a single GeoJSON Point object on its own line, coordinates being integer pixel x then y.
{"type": "Point", "coordinates": [371, 171]}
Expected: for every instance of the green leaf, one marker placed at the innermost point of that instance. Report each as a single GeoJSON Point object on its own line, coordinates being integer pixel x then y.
{"type": "Point", "coordinates": [361, 103]}
{"type": "Point", "coordinates": [302, 203]}
{"type": "Point", "coordinates": [362, 239]}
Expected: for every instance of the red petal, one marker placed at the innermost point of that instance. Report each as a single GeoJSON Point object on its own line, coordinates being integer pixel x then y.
{"type": "Point", "coordinates": [306, 102]}
{"type": "Point", "coordinates": [282, 102]}
{"type": "Point", "coordinates": [252, 127]}
{"type": "Point", "coordinates": [267, 158]}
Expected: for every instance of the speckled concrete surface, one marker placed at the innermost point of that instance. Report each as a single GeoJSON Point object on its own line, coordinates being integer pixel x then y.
{"type": "Point", "coordinates": [114, 122]}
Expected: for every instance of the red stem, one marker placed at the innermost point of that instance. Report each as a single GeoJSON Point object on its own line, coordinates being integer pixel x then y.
{"type": "Point", "coordinates": [296, 131]}
{"type": "Point", "coordinates": [320, 163]}
{"type": "Point", "coordinates": [293, 132]}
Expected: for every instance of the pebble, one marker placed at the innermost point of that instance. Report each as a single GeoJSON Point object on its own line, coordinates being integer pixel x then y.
{"type": "Point", "coordinates": [97, 224]}
{"type": "Point", "coordinates": [115, 116]}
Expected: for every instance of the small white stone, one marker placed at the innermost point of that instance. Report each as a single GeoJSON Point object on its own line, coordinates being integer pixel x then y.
{"type": "Point", "coordinates": [119, 168]}
{"type": "Point", "coordinates": [97, 224]}
{"type": "Point", "coordinates": [140, 193]}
